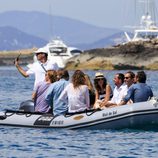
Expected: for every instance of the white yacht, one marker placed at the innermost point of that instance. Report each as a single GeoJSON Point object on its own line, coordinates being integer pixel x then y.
{"type": "Point", "coordinates": [59, 52]}
{"type": "Point", "coordinates": [147, 29]}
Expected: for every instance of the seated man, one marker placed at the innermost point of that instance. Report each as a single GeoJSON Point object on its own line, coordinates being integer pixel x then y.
{"type": "Point", "coordinates": [54, 91]}
{"type": "Point", "coordinates": [119, 92]}
{"type": "Point", "coordinates": [138, 92]}
{"type": "Point", "coordinates": [129, 78]}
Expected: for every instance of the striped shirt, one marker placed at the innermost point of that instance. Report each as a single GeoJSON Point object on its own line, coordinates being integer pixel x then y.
{"type": "Point", "coordinates": [40, 103]}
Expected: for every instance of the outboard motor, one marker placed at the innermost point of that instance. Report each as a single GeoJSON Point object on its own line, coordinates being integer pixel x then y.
{"type": "Point", "coordinates": [27, 106]}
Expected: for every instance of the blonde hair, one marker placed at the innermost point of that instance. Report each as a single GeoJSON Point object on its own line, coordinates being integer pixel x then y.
{"type": "Point", "coordinates": [88, 82]}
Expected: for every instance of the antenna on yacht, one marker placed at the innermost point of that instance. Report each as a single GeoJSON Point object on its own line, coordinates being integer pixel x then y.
{"type": "Point", "coordinates": [50, 20]}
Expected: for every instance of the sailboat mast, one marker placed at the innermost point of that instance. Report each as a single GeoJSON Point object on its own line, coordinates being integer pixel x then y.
{"type": "Point", "coordinates": [50, 21]}
{"type": "Point", "coordinates": [148, 26]}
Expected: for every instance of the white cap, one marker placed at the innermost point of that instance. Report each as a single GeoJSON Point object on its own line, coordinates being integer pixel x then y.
{"type": "Point", "coordinates": [41, 50]}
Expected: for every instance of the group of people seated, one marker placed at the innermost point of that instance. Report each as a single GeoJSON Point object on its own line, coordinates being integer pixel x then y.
{"type": "Point", "coordinates": [58, 95]}
{"type": "Point", "coordinates": [53, 92]}
{"type": "Point", "coordinates": [129, 88]}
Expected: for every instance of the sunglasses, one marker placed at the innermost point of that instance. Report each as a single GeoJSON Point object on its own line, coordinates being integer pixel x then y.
{"type": "Point", "coordinates": [100, 79]}
{"type": "Point", "coordinates": [127, 77]}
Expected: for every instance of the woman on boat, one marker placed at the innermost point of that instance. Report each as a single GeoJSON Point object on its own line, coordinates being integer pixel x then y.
{"type": "Point", "coordinates": [39, 93]}
{"type": "Point", "coordinates": [91, 90]}
{"type": "Point", "coordinates": [76, 93]}
{"type": "Point", "coordinates": [103, 91]}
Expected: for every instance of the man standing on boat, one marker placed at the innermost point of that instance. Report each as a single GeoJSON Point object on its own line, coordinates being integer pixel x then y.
{"type": "Point", "coordinates": [38, 68]}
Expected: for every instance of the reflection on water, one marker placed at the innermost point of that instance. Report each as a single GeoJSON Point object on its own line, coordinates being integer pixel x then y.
{"type": "Point", "coordinates": [28, 142]}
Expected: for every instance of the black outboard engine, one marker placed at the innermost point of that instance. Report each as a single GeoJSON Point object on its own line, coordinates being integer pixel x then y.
{"type": "Point", "coordinates": [27, 106]}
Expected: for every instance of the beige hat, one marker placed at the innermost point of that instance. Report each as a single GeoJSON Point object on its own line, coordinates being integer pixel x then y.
{"type": "Point", "coordinates": [41, 50]}
{"type": "Point", "coordinates": [99, 75]}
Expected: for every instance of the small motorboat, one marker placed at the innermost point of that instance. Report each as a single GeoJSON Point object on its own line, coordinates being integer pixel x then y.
{"type": "Point", "coordinates": [142, 115]}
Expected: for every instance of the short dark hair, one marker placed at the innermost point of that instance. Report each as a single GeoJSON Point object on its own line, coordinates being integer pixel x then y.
{"type": "Point", "coordinates": [132, 75]}
{"type": "Point", "coordinates": [141, 76]}
{"type": "Point", "coordinates": [62, 73]}
{"type": "Point", "coordinates": [121, 77]}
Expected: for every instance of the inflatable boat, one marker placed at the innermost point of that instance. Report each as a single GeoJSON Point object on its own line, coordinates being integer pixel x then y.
{"type": "Point", "coordinates": [143, 115]}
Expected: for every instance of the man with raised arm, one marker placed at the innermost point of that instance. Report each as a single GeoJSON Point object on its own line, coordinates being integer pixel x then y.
{"type": "Point", "coordinates": [39, 67]}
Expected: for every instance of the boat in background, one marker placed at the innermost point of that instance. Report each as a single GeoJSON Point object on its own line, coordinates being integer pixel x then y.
{"type": "Point", "coordinates": [147, 29]}
{"type": "Point", "coordinates": [59, 52]}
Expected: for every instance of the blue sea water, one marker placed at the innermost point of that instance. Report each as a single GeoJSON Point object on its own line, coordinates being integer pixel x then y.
{"type": "Point", "coordinates": [20, 142]}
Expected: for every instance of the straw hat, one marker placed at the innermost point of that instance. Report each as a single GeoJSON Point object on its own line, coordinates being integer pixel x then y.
{"type": "Point", "coordinates": [99, 75]}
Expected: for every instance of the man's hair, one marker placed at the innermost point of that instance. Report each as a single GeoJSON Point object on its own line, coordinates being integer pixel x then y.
{"type": "Point", "coordinates": [121, 77]}
{"type": "Point", "coordinates": [132, 75]}
{"type": "Point", "coordinates": [62, 73]}
{"type": "Point", "coordinates": [141, 76]}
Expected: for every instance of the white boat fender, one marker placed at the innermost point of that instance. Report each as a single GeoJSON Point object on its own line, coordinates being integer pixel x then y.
{"type": "Point", "coordinates": [154, 101]}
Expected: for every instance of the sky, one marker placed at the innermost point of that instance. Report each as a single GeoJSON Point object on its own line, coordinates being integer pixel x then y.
{"type": "Point", "coordinates": [103, 13]}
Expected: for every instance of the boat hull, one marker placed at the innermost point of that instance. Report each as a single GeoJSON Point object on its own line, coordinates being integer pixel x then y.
{"type": "Point", "coordinates": [136, 116]}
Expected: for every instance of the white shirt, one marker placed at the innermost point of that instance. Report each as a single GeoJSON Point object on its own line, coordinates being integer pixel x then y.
{"type": "Point", "coordinates": [78, 99]}
{"type": "Point", "coordinates": [119, 94]}
{"type": "Point", "coordinates": [39, 72]}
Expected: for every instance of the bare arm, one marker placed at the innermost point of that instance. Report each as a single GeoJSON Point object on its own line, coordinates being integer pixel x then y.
{"type": "Point", "coordinates": [96, 95]}
{"type": "Point", "coordinates": [107, 97]}
{"type": "Point", "coordinates": [108, 93]}
{"type": "Point", "coordinates": [20, 69]}
{"type": "Point", "coordinates": [33, 96]}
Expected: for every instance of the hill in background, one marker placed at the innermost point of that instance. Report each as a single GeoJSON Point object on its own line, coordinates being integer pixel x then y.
{"type": "Point", "coordinates": [26, 29]}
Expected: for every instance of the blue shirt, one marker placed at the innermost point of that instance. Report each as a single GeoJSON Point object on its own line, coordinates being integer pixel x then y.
{"type": "Point", "coordinates": [138, 92]}
{"type": "Point", "coordinates": [52, 97]}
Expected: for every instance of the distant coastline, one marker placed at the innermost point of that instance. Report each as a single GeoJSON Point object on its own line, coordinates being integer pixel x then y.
{"type": "Point", "coordinates": [7, 57]}
{"type": "Point", "coordinates": [133, 55]}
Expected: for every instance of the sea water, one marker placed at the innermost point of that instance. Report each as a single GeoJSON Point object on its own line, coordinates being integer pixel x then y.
{"type": "Point", "coordinates": [20, 142]}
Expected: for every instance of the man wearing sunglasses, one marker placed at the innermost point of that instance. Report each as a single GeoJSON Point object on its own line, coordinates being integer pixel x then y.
{"type": "Point", "coordinates": [129, 78]}
{"type": "Point", "coordinates": [138, 92]}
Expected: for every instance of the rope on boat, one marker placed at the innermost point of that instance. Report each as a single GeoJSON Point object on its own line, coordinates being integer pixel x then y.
{"type": "Point", "coordinates": [12, 112]}
{"type": "Point", "coordinates": [95, 110]}
{"type": "Point", "coordinates": [87, 112]}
